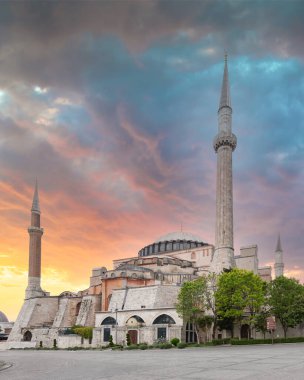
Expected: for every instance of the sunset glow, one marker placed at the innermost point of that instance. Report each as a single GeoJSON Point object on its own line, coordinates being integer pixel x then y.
{"type": "Point", "coordinates": [113, 107]}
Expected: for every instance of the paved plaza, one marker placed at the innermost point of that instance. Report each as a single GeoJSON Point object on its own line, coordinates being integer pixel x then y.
{"type": "Point", "coordinates": [284, 361]}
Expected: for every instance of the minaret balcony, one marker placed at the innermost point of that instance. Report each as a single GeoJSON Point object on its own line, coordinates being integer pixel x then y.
{"type": "Point", "coordinates": [224, 140]}
{"type": "Point", "coordinates": [35, 229]}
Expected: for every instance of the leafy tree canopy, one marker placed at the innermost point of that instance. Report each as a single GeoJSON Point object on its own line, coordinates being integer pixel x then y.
{"type": "Point", "coordinates": [286, 300]}
{"type": "Point", "coordinates": [191, 299]}
{"type": "Point", "coordinates": [238, 291]}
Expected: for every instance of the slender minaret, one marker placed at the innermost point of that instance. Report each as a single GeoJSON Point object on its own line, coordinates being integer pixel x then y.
{"type": "Point", "coordinates": [224, 145]}
{"type": "Point", "coordinates": [35, 231]}
{"type": "Point", "coordinates": [278, 264]}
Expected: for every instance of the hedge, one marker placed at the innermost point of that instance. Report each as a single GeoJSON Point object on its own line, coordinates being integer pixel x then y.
{"type": "Point", "coordinates": [237, 342]}
{"type": "Point", "coordinates": [85, 332]}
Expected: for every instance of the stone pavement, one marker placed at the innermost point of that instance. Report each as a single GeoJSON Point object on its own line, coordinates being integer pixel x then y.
{"type": "Point", "coordinates": [280, 361]}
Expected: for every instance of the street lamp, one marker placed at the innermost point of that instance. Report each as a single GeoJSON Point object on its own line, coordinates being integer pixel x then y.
{"type": "Point", "coordinates": [116, 324]}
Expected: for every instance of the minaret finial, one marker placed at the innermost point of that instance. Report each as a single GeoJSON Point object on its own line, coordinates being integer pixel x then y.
{"type": "Point", "coordinates": [36, 205]}
{"type": "Point", "coordinates": [225, 100]}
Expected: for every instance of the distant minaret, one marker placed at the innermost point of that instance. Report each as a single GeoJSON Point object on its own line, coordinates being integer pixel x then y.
{"type": "Point", "coordinates": [224, 144]}
{"type": "Point", "coordinates": [278, 264]}
{"type": "Point", "coordinates": [35, 231]}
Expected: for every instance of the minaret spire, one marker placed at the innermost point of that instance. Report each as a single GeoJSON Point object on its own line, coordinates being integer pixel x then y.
{"type": "Point", "coordinates": [279, 246]}
{"type": "Point", "coordinates": [225, 100]}
{"type": "Point", "coordinates": [36, 204]}
{"type": "Point", "coordinates": [224, 144]}
{"type": "Point", "coordinates": [278, 262]}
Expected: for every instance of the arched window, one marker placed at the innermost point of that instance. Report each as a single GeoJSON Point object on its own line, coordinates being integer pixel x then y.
{"type": "Point", "coordinates": [134, 320]}
{"type": "Point", "coordinates": [163, 319]}
{"type": "Point", "coordinates": [109, 321]}
{"type": "Point", "coordinates": [27, 337]}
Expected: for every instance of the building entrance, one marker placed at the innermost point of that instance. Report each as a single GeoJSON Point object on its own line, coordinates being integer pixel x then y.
{"type": "Point", "coordinates": [133, 336]}
{"type": "Point", "coordinates": [245, 332]}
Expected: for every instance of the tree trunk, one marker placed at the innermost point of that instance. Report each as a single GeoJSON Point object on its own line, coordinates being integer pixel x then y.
{"type": "Point", "coordinates": [285, 331]}
{"type": "Point", "coordinates": [197, 333]}
{"type": "Point", "coordinates": [214, 329]}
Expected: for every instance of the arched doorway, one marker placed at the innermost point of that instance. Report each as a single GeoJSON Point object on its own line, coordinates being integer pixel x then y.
{"type": "Point", "coordinates": [27, 336]}
{"type": "Point", "coordinates": [245, 332]}
{"type": "Point", "coordinates": [133, 336]}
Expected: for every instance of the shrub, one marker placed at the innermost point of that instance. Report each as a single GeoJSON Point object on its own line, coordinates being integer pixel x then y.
{"type": "Point", "coordinates": [156, 345]}
{"type": "Point", "coordinates": [218, 342]}
{"type": "Point", "coordinates": [165, 345]}
{"type": "Point", "coordinates": [132, 347]}
{"type": "Point", "coordinates": [84, 332]}
{"type": "Point", "coordinates": [143, 346]}
{"type": "Point", "coordinates": [117, 347]}
{"type": "Point", "coordinates": [111, 344]}
{"type": "Point", "coordinates": [128, 339]}
{"type": "Point", "coordinates": [182, 345]}
{"type": "Point", "coordinates": [174, 341]}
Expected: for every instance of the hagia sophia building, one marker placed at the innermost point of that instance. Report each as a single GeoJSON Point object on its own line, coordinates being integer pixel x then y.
{"type": "Point", "coordinates": [139, 294]}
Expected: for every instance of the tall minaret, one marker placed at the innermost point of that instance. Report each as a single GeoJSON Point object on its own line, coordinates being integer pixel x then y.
{"type": "Point", "coordinates": [224, 144]}
{"type": "Point", "coordinates": [35, 231]}
{"type": "Point", "coordinates": [278, 264]}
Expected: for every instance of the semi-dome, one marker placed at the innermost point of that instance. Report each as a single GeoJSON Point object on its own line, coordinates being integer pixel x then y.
{"type": "Point", "coordinates": [172, 242]}
{"type": "Point", "coordinates": [3, 317]}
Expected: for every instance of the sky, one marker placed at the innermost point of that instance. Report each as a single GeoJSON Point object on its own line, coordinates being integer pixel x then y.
{"type": "Point", "coordinates": [112, 105]}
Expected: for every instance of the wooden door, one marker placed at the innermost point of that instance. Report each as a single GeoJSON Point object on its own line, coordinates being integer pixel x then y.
{"type": "Point", "coordinates": [133, 336]}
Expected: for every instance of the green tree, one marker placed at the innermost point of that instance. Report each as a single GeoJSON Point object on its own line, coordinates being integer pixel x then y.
{"type": "Point", "coordinates": [286, 301]}
{"type": "Point", "coordinates": [260, 321]}
{"type": "Point", "coordinates": [111, 344]}
{"type": "Point", "coordinates": [225, 323]}
{"type": "Point", "coordinates": [191, 302]}
{"type": "Point", "coordinates": [239, 292]}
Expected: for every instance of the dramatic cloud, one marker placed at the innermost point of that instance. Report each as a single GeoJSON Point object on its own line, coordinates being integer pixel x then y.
{"type": "Point", "coordinates": [113, 106]}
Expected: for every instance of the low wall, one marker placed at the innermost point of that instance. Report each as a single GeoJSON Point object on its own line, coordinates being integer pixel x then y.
{"type": "Point", "coordinates": [73, 340]}
{"type": "Point", "coordinates": [19, 345]}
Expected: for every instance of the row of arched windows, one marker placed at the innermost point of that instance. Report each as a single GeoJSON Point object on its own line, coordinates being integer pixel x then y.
{"type": "Point", "coordinates": [169, 246]}
{"type": "Point", "coordinates": [163, 319]}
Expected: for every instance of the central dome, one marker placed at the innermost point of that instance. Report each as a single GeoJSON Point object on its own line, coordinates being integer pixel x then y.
{"type": "Point", "coordinates": [172, 242]}
{"type": "Point", "coordinates": [179, 235]}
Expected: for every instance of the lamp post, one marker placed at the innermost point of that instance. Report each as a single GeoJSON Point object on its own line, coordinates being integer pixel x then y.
{"type": "Point", "coordinates": [116, 324]}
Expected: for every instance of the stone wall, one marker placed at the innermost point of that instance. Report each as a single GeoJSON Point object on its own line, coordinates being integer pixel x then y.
{"type": "Point", "coordinates": [146, 297]}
